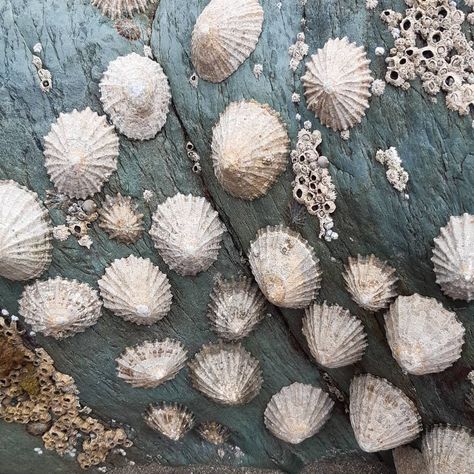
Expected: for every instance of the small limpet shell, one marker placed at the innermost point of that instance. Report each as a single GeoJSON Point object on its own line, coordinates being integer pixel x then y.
{"type": "Point", "coordinates": [213, 432]}
{"type": "Point", "coordinates": [170, 419]}
{"type": "Point", "coordinates": [117, 8]}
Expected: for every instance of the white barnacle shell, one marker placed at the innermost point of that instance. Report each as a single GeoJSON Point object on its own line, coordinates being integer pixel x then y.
{"type": "Point", "coordinates": [453, 257]}
{"type": "Point", "coordinates": [226, 373]}
{"type": "Point", "coordinates": [224, 36]}
{"type": "Point", "coordinates": [382, 416]}
{"type": "Point", "coordinates": [59, 307]}
{"type": "Point", "coordinates": [25, 233]}
{"type": "Point", "coordinates": [424, 337]}
{"type": "Point", "coordinates": [170, 419]}
{"type": "Point", "coordinates": [80, 153]}
{"type": "Point", "coordinates": [250, 147]}
{"type": "Point", "coordinates": [337, 83]}
{"type": "Point", "coordinates": [236, 307]}
{"type": "Point", "coordinates": [285, 267]}
{"type": "Point", "coordinates": [297, 412]}
{"type": "Point", "coordinates": [187, 233]}
{"type": "Point", "coordinates": [335, 337]}
{"type": "Point", "coordinates": [151, 363]}
{"type": "Point", "coordinates": [371, 282]}
{"type": "Point", "coordinates": [136, 95]}
{"type": "Point", "coordinates": [136, 290]}
{"type": "Point", "coordinates": [117, 8]}
{"type": "Point", "coordinates": [213, 432]}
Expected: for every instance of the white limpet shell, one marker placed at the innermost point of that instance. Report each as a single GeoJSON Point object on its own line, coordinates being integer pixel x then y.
{"type": "Point", "coordinates": [136, 290]}
{"type": "Point", "coordinates": [453, 258]}
{"type": "Point", "coordinates": [213, 432]}
{"type": "Point", "coordinates": [80, 153]}
{"type": "Point", "coordinates": [297, 412]}
{"type": "Point", "coordinates": [226, 373]}
{"type": "Point", "coordinates": [382, 416]}
{"type": "Point", "coordinates": [408, 460]}
{"type": "Point", "coordinates": [25, 233]}
{"type": "Point", "coordinates": [250, 148]}
{"type": "Point", "coordinates": [170, 419]}
{"type": "Point", "coordinates": [335, 337]}
{"type": "Point", "coordinates": [285, 267]}
{"type": "Point", "coordinates": [117, 8]}
{"type": "Point", "coordinates": [224, 36]}
{"type": "Point", "coordinates": [151, 363]}
{"type": "Point", "coordinates": [187, 232]}
{"type": "Point", "coordinates": [337, 84]}
{"type": "Point", "coordinates": [59, 307]}
{"type": "Point", "coordinates": [136, 95]}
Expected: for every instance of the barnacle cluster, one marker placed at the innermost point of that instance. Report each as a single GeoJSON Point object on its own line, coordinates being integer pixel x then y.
{"type": "Point", "coordinates": [396, 175]}
{"type": "Point", "coordinates": [79, 218]}
{"type": "Point", "coordinates": [297, 51]}
{"type": "Point", "coordinates": [44, 75]}
{"type": "Point", "coordinates": [194, 157]}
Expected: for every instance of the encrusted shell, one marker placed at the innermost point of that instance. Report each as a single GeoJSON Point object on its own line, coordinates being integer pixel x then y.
{"type": "Point", "coordinates": [136, 95]}
{"type": "Point", "coordinates": [250, 148]}
{"type": "Point", "coordinates": [151, 363]}
{"type": "Point", "coordinates": [136, 290]}
{"type": "Point", "coordinates": [170, 419]}
{"type": "Point", "coordinates": [236, 307]}
{"type": "Point", "coordinates": [226, 373]}
{"type": "Point", "coordinates": [371, 282]}
{"type": "Point", "coordinates": [187, 233]}
{"type": "Point", "coordinates": [453, 258]}
{"type": "Point", "coordinates": [409, 460]}
{"type": "Point", "coordinates": [25, 233]}
{"type": "Point", "coordinates": [224, 36]}
{"type": "Point", "coordinates": [59, 307]}
{"type": "Point", "coordinates": [297, 412]}
{"type": "Point", "coordinates": [337, 83]}
{"type": "Point", "coordinates": [335, 337]}
{"type": "Point", "coordinates": [213, 432]}
{"type": "Point", "coordinates": [117, 8]}
{"type": "Point", "coordinates": [80, 153]}
{"type": "Point", "coordinates": [382, 416]}
{"type": "Point", "coordinates": [285, 267]}
{"type": "Point", "coordinates": [424, 337]}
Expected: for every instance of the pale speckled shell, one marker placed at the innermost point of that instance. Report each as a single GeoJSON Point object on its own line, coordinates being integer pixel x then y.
{"type": "Point", "coordinates": [213, 432]}
{"type": "Point", "coordinates": [453, 258]}
{"type": "Point", "coordinates": [59, 307]}
{"type": "Point", "coordinates": [80, 153]}
{"type": "Point", "coordinates": [170, 419]}
{"type": "Point", "coordinates": [297, 412]}
{"type": "Point", "coordinates": [187, 233]}
{"type": "Point", "coordinates": [136, 95]}
{"type": "Point", "coordinates": [250, 148]}
{"type": "Point", "coordinates": [25, 233]}
{"type": "Point", "coordinates": [224, 36]}
{"type": "Point", "coordinates": [226, 373]}
{"type": "Point", "coordinates": [337, 83]}
{"type": "Point", "coordinates": [335, 337]}
{"type": "Point", "coordinates": [285, 267]}
{"type": "Point", "coordinates": [382, 416]}
{"type": "Point", "coordinates": [408, 460]}
{"type": "Point", "coordinates": [117, 8]}
{"type": "Point", "coordinates": [136, 290]}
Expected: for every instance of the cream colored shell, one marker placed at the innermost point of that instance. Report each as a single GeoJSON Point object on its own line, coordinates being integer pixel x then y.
{"type": "Point", "coordinates": [409, 460]}
{"type": "Point", "coordinates": [170, 419]}
{"type": "Point", "coordinates": [213, 432]}
{"type": "Point", "coordinates": [117, 8]}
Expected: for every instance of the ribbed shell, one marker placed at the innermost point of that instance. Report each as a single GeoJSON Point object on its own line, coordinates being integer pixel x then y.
{"type": "Point", "coordinates": [213, 432]}
{"type": "Point", "coordinates": [59, 307]}
{"type": "Point", "coordinates": [80, 153]}
{"type": "Point", "coordinates": [117, 8]}
{"type": "Point", "coordinates": [337, 83]}
{"type": "Point", "coordinates": [250, 148]}
{"type": "Point", "coordinates": [424, 337]}
{"type": "Point", "coordinates": [187, 233]}
{"type": "Point", "coordinates": [409, 460]}
{"type": "Point", "coordinates": [335, 337]}
{"type": "Point", "coordinates": [136, 95]}
{"type": "Point", "coordinates": [25, 233]}
{"type": "Point", "coordinates": [226, 373]}
{"type": "Point", "coordinates": [136, 290]}
{"type": "Point", "coordinates": [170, 419]}
{"type": "Point", "coordinates": [453, 258]}
{"type": "Point", "coordinates": [297, 412]}
{"type": "Point", "coordinates": [371, 282]}
{"type": "Point", "coordinates": [151, 363]}
{"type": "Point", "coordinates": [236, 307]}
{"type": "Point", "coordinates": [382, 416]}
{"type": "Point", "coordinates": [285, 267]}
{"type": "Point", "coordinates": [224, 36]}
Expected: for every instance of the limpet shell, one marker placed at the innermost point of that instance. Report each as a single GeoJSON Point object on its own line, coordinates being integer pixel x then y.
{"type": "Point", "coordinates": [172, 420]}
{"type": "Point", "coordinates": [117, 8]}
{"type": "Point", "coordinates": [213, 432]}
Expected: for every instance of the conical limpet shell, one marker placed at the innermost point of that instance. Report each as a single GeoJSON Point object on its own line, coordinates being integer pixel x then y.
{"type": "Point", "coordinates": [170, 419]}
{"type": "Point", "coordinates": [297, 412]}
{"type": "Point", "coordinates": [80, 153]}
{"type": "Point", "coordinates": [117, 8]}
{"type": "Point", "coordinates": [136, 95]}
{"type": "Point", "coordinates": [136, 290]}
{"type": "Point", "coordinates": [187, 233]}
{"type": "Point", "coordinates": [285, 267]}
{"type": "Point", "coordinates": [213, 432]}
{"type": "Point", "coordinates": [337, 82]}
{"type": "Point", "coordinates": [250, 148]}
{"type": "Point", "coordinates": [25, 233]}
{"type": "Point", "coordinates": [382, 416]}
{"type": "Point", "coordinates": [335, 337]}
{"type": "Point", "coordinates": [224, 36]}
{"type": "Point", "coordinates": [408, 460]}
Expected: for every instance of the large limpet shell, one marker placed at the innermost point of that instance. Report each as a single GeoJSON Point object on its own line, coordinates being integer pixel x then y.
{"type": "Point", "coordinates": [117, 8]}
{"type": "Point", "coordinates": [172, 420]}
